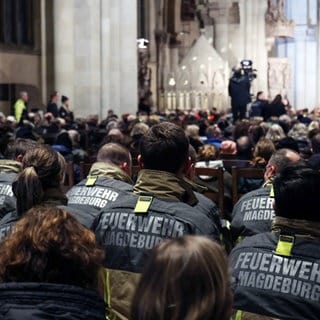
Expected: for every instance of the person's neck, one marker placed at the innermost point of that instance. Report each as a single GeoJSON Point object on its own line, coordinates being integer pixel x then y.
{"type": "Point", "coordinates": [164, 185]}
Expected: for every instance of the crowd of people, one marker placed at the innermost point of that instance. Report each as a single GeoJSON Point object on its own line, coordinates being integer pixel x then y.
{"type": "Point", "coordinates": [149, 244]}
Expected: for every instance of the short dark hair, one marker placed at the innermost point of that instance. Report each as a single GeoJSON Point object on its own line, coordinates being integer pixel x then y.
{"type": "Point", "coordinates": [315, 143]}
{"type": "Point", "coordinates": [288, 143]}
{"type": "Point", "coordinates": [296, 190]}
{"type": "Point", "coordinates": [259, 93]}
{"type": "Point", "coordinates": [19, 147]}
{"type": "Point", "coordinates": [164, 147]}
{"type": "Point", "coordinates": [244, 148]}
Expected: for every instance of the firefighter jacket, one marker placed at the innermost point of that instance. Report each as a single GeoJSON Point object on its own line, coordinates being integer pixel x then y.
{"type": "Point", "coordinates": [135, 223]}
{"type": "Point", "coordinates": [8, 172]}
{"type": "Point", "coordinates": [253, 213]}
{"type": "Point", "coordinates": [52, 197]}
{"type": "Point", "coordinates": [104, 184]}
{"type": "Point", "coordinates": [277, 274]}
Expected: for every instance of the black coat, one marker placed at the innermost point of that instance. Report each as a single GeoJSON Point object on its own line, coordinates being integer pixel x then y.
{"type": "Point", "coordinates": [53, 108]}
{"type": "Point", "coordinates": [35, 301]}
{"type": "Point", "coordinates": [257, 108]}
{"type": "Point", "coordinates": [273, 110]}
{"type": "Point", "coordinates": [239, 91]}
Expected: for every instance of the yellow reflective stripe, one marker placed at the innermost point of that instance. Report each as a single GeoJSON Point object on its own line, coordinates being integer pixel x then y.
{"type": "Point", "coordinates": [239, 239]}
{"type": "Point", "coordinates": [285, 245]}
{"type": "Point", "coordinates": [91, 180]}
{"type": "Point", "coordinates": [108, 291]}
{"type": "Point", "coordinates": [238, 315]}
{"type": "Point", "coordinates": [143, 204]}
{"type": "Point", "coordinates": [271, 195]}
{"type": "Point", "coordinates": [107, 297]}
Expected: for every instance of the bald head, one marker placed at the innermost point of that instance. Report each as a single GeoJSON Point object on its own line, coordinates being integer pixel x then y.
{"type": "Point", "coordinates": [279, 160]}
{"type": "Point", "coordinates": [116, 154]}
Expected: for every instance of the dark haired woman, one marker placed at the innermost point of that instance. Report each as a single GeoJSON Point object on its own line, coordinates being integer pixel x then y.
{"type": "Point", "coordinates": [39, 183]}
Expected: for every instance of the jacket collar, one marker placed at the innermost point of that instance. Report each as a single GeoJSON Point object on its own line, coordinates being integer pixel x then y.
{"type": "Point", "coordinates": [164, 185]}
{"type": "Point", "coordinates": [296, 227]}
{"type": "Point", "coordinates": [110, 171]}
{"type": "Point", "coordinates": [10, 166]}
{"type": "Point", "coordinates": [54, 197]}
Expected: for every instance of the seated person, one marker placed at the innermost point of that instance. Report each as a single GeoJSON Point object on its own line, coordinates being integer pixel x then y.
{"type": "Point", "coordinates": [208, 158]}
{"type": "Point", "coordinates": [10, 166]}
{"type": "Point", "coordinates": [50, 269]}
{"type": "Point", "coordinates": [162, 205]}
{"type": "Point", "coordinates": [187, 278]}
{"type": "Point", "coordinates": [39, 183]}
{"type": "Point", "coordinates": [108, 178]}
{"type": "Point", "coordinates": [254, 213]}
{"type": "Point", "coordinates": [277, 273]}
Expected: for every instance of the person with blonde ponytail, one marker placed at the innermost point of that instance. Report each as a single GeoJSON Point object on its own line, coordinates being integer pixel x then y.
{"type": "Point", "coordinates": [39, 183]}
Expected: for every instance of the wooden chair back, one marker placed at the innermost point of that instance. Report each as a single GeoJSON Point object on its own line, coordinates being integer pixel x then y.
{"type": "Point", "coordinates": [247, 173]}
{"type": "Point", "coordinates": [69, 177]}
{"type": "Point", "coordinates": [229, 163]}
{"type": "Point", "coordinates": [217, 197]}
{"type": "Point", "coordinates": [84, 169]}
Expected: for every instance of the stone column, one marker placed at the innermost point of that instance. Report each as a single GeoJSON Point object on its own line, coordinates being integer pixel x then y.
{"type": "Point", "coordinates": [119, 56]}
{"type": "Point", "coordinates": [63, 14]}
{"type": "Point", "coordinates": [252, 31]}
{"type": "Point", "coordinates": [96, 55]}
{"type": "Point", "coordinates": [318, 60]}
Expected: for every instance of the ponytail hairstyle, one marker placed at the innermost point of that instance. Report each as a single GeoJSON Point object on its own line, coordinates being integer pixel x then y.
{"type": "Point", "coordinates": [41, 171]}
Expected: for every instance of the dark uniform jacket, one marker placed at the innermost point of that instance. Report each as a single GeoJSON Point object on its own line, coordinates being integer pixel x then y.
{"type": "Point", "coordinates": [8, 172]}
{"type": "Point", "coordinates": [257, 108]}
{"type": "Point", "coordinates": [104, 184]}
{"type": "Point", "coordinates": [253, 213]}
{"type": "Point", "coordinates": [130, 226]}
{"type": "Point", "coordinates": [33, 301]}
{"type": "Point", "coordinates": [279, 276]}
{"type": "Point", "coordinates": [53, 197]}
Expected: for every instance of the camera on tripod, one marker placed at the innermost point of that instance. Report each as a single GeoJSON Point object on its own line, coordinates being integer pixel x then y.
{"type": "Point", "coordinates": [246, 66]}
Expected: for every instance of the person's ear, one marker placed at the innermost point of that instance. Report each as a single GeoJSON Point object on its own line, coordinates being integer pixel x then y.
{"type": "Point", "coordinates": [187, 167]}
{"type": "Point", "coordinates": [271, 170]}
{"type": "Point", "coordinates": [191, 173]}
{"type": "Point", "coordinates": [19, 158]}
{"type": "Point", "coordinates": [140, 162]}
{"type": "Point", "coordinates": [124, 166]}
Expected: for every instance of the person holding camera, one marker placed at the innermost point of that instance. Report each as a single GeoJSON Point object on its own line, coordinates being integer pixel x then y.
{"type": "Point", "coordinates": [239, 91]}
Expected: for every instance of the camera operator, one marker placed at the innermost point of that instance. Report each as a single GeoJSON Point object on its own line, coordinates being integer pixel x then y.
{"type": "Point", "coordinates": [239, 91]}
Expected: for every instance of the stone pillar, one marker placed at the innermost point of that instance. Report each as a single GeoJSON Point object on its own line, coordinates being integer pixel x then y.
{"type": "Point", "coordinates": [96, 55]}
{"type": "Point", "coordinates": [63, 14]}
{"type": "Point", "coordinates": [318, 60]}
{"type": "Point", "coordinates": [252, 28]}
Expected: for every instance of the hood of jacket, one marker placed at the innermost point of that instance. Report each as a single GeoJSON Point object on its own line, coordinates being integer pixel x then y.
{"type": "Point", "coordinates": [165, 185]}
{"type": "Point", "coordinates": [10, 166]}
{"type": "Point", "coordinates": [107, 170]}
